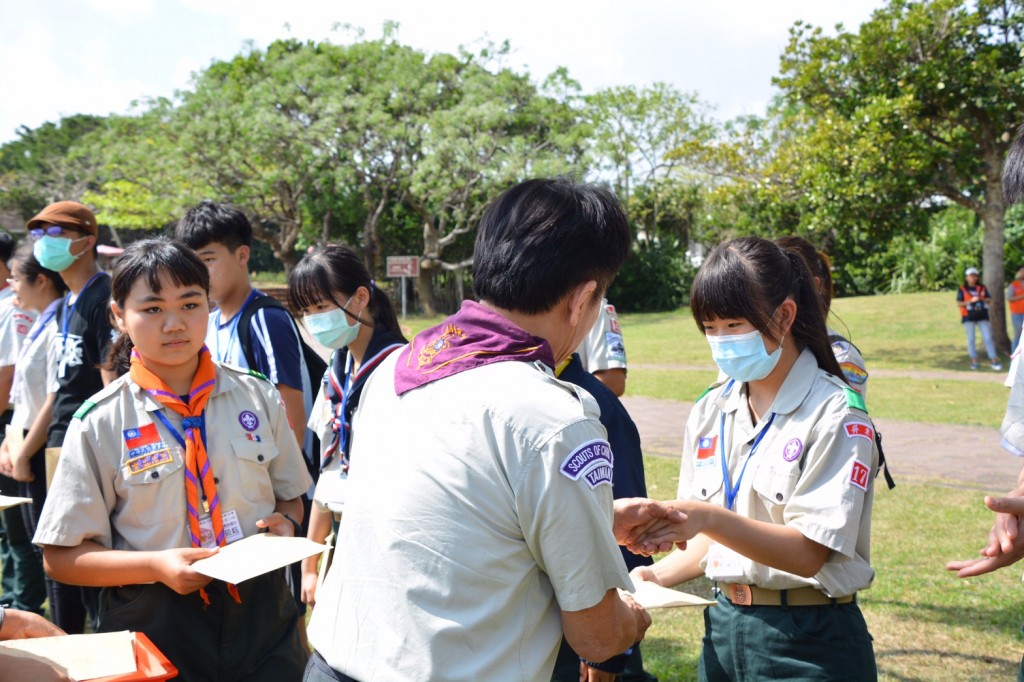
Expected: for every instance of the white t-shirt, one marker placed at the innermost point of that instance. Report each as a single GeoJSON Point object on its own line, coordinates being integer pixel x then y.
{"type": "Point", "coordinates": [480, 507]}
{"type": "Point", "coordinates": [603, 347]}
{"type": "Point", "coordinates": [36, 369]}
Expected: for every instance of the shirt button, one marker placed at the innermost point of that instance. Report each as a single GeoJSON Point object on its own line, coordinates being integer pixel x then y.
{"type": "Point", "coordinates": [778, 496]}
{"type": "Point", "coordinates": [216, 480]}
{"type": "Point", "coordinates": [259, 458]}
{"type": "Point", "coordinates": [703, 491]}
{"type": "Point", "coordinates": [156, 474]}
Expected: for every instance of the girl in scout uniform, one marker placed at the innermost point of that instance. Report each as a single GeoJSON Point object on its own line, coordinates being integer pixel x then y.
{"type": "Point", "coordinates": [342, 309]}
{"type": "Point", "coordinates": [776, 480]}
{"type": "Point", "coordinates": [173, 459]}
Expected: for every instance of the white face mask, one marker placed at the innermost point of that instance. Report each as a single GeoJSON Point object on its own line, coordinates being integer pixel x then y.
{"type": "Point", "coordinates": [332, 328]}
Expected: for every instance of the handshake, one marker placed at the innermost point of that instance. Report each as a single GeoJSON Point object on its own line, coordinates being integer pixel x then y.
{"type": "Point", "coordinates": [645, 526]}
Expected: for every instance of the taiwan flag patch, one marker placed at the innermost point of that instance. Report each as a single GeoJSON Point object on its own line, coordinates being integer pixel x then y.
{"type": "Point", "coordinates": [706, 450]}
{"type": "Point", "coordinates": [143, 435]}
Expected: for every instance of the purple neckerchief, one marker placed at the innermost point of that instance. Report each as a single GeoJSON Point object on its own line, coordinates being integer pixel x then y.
{"type": "Point", "coordinates": [470, 338]}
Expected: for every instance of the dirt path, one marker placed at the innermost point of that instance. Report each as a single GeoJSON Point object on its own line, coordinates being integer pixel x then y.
{"type": "Point", "coordinates": [983, 375]}
{"type": "Point", "coordinates": [958, 456]}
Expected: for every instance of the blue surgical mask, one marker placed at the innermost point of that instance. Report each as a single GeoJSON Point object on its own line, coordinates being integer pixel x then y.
{"type": "Point", "coordinates": [54, 253]}
{"type": "Point", "coordinates": [332, 328]}
{"type": "Point", "coordinates": [743, 357]}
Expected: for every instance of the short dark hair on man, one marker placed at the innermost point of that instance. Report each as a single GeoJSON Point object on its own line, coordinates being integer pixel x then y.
{"type": "Point", "coordinates": [542, 238]}
{"type": "Point", "coordinates": [211, 222]}
{"type": "Point", "coordinates": [1013, 170]}
{"type": "Point", "coordinates": [7, 245]}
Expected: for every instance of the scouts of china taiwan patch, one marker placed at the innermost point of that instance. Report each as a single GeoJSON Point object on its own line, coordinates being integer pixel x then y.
{"type": "Point", "coordinates": [860, 475]}
{"type": "Point", "coordinates": [592, 462]}
{"type": "Point", "coordinates": [706, 451]}
{"type": "Point", "coordinates": [859, 430]}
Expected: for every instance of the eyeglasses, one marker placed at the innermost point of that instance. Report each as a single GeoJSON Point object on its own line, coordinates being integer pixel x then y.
{"type": "Point", "coordinates": [51, 231]}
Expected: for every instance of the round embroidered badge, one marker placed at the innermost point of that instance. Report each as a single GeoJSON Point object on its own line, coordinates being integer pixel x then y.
{"type": "Point", "coordinates": [792, 450]}
{"type": "Point", "coordinates": [248, 420]}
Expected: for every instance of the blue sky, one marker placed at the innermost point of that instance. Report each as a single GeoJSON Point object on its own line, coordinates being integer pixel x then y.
{"type": "Point", "coordinates": [60, 57]}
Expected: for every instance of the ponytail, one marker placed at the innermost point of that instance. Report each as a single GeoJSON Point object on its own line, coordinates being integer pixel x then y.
{"type": "Point", "coordinates": [383, 312]}
{"type": "Point", "coordinates": [809, 328]}
{"type": "Point", "coordinates": [119, 354]}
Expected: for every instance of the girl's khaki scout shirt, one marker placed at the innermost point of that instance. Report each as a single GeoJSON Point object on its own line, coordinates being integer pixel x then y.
{"type": "Point", "coordinates": [121, 484]}
{"type": "Point", "coordinates": [813, 471]}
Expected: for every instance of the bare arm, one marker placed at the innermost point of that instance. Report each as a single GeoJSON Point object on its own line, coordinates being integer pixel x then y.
{"type": "Point", "coordinates": [781, 547]}
{"type": "Point", "coordinates": [280, 521]}
{"type": "Point", "coordinates": [319, 528]}
{"type": "Point", "coordinates": [93, 565]}
{"type": "Point", "coordinates": [615, 379]}
{"type": "Point", "coordinates": [678, 567]}
{"type": "Point", "coordinates": [295, 407]}
{"type": "Point", "coordinates": [606, 629]}
{"type": "Point", "coordinates": [34, 441]}
{"type": "Point", "coordinates": [6, 380]}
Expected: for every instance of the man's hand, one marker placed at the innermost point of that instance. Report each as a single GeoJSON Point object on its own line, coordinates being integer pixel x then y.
{"type": "Point", "coordinates": [1006, 539]}
{"type": "Point", "coordinates": [6, 466]}
{"type": "Point", "coordinates": [20, 624]}
{"type": "Point", "coordinates": [635, 516]}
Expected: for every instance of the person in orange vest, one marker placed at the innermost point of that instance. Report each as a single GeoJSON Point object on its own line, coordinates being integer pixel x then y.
{"type": "Point", "coordinates": [973, 299]}
{"type": "Point", "coordinates": [1015, 297]}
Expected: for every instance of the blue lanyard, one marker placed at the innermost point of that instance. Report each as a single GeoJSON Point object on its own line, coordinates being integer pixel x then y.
{"type": "Point", "coordinates": [43, 320]}
{"type": "Point", "coordinates": [70, 313]}
{"type": "Point", "coordinates": [344, 427]}
{"type": "Point", "coordinates": [178, 436]}
{"type": "Point", "coordinates": [730, 490]}
{"type": "Point", "coordinates": [232, 335]}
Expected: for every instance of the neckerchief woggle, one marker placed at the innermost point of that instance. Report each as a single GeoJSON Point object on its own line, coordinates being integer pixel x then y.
{"type": "Point", "coordinates": [732, 491]}
{"type": "Point", "coordinates": [198, 472]}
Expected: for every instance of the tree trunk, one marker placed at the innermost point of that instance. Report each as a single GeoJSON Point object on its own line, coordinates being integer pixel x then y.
{"type": "Point", "coordinates": [425, 288]}
{"type": "Point", "coordinates": [993, 216]}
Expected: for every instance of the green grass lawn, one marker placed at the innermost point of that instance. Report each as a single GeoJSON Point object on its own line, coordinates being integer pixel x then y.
{"type": "Point", "coordinates": [927, 624]}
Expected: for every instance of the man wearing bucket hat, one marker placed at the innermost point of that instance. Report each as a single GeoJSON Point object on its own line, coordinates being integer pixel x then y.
{"type": "Point", "coordinates": [973, 300]}
{"type": "Point", "coordinates": [64, 236]}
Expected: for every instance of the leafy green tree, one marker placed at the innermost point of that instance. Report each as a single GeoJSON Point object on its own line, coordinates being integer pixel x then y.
{"type": "Point", "coordinates": [914, 109]}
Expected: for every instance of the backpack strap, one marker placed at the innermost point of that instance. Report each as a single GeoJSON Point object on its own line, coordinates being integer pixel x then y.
{"type": "Point", "coordinates": [245, 324]}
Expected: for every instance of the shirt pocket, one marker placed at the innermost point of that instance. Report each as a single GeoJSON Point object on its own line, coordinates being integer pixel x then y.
{"type": "Point", "coordinates": [254, 458]}
{"type": "Point", "coordinates": [153, 488]}
{"type": "Point", "coordinates": [707, 482]}
{"type": "Point", "coordinates": [775, 485]}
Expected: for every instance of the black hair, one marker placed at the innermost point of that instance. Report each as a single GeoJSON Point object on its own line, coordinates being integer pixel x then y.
{"type": "Point", "coordinates": [1013, 170]}
{"type": "Point", "coordinates": [816, 261]}
{"type": "Point", "coordinates": [151, 259]}
{"type": "Point", "coordinates": [543, 237]}
{"type": "Point", "coordinates": [7, 244]}
{"type": "Point", "coordinates": [25, 259]}
{"type": "Point", "coordinates": [331, 267]}
{"type": "Point", "coordinates": [749, 278]}
{"type": "Point", "coordinates": [209, 222]}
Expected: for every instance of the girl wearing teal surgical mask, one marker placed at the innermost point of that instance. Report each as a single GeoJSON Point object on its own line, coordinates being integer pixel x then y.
{"type": "Point", "coordinates": [776, 480]}
{"type": "Point", "coordinates": [342, 309]}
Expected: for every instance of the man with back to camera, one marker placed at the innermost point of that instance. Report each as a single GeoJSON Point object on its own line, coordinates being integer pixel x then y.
{"type": "Point", "coordinates": [479, 523]}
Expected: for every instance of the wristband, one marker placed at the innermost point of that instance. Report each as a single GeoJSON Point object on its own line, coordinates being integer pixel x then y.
{"type": "Point", "coordinates": [615, 664]}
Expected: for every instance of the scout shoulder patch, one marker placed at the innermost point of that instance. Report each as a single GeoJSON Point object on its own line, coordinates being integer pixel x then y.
{"type": "Point", "coordinates": [855, 400]}
{"type": "Point", "coordinates": [860, 475]}
{"type": "Point", "coordinates": [859, 430]}
{"type": "Point", "coordinates": [854, 373]}
{"type": "Point", "coordinates": [591, 461]}
{"type": "Point", "coordinates": [83, 409]}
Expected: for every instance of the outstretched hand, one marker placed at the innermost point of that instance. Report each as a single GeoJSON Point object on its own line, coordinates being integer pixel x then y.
{"type": "Point", "coordinates": [647, 526]}
{"type": "Point", "coordinates": [1005, 539]}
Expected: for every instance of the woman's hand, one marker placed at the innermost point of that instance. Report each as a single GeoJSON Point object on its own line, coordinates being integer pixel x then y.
{"type": "Point", "coordinates": [174, 568]}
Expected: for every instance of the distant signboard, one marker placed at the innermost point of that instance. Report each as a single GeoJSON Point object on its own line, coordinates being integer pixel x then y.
{"type": "Point", "coordinates": [403, 266]}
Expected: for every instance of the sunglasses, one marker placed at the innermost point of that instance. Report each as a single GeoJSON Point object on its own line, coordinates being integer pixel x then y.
{"type": "Point", "coordinates": [51, 231]}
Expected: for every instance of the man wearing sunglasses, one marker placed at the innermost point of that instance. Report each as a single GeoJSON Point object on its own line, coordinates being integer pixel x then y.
{"type": "Point", "coordinates": [64, 238]}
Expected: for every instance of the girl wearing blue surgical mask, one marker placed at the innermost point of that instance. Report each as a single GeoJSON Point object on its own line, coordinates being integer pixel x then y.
{"type": "Point", "coordinates": [342, 309]}
{"type": "Point", "coordinates": [776, 480]}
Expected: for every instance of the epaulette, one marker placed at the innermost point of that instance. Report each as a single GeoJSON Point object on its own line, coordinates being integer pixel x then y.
{"type": "Point", "coordinates": [855, 400]}
{"type": "Point", "coordinates": [707, 390]}
{"type": "Point", "coordinates": [83, 409]}
{"type": "Point", "coordinates": [258, 375]}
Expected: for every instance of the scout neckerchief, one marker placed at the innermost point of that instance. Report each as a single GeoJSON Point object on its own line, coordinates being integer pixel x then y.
{"type": "Point", "coordinates": [344, 390]}
{"type": "Point", "coordinates": [731, 491]}
{"type": "Point", "coordinates": [472, 337]}
{"type": "Point", "coordinates": [197, 463]}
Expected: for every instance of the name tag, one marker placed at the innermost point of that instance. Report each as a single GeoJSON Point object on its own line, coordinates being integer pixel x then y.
{"type": "Point", "coordinates": [723, 564]}
{"type": "Point", "coordinates": [232, 529]}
